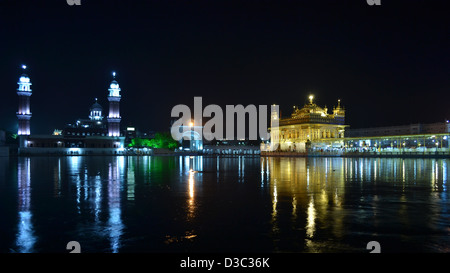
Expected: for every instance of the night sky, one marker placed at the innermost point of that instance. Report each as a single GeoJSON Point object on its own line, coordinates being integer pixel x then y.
{"type": "Point", "coordinates": [388, 64]}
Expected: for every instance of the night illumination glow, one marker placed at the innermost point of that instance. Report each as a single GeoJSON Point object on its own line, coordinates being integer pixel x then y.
{"type": "Point", "coordinates": [24, 79]}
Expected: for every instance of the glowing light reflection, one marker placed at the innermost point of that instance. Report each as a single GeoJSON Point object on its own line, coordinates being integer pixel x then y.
{"type": "Point", "coordinates": [115, 225]}
{"type": "Point", "coordinates": [25, 233]}
{"type": "Point", "coordinates": [191, 203]}
{"type": "Point", "coordinates": [311, 220]}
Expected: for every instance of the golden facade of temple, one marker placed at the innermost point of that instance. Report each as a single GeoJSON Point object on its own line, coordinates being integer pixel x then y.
{"type": "Point", "coordinates": [310, 126]}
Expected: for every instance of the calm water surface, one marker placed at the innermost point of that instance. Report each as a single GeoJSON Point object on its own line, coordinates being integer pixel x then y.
{"type": "Point", "coordinates": [227, 204]}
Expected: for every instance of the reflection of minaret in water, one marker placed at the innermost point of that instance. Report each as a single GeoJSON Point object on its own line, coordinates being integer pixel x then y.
{"type": "Point", "coordinates": [115, 225]}
{"type": "Point", "coordinates": [25, 237]}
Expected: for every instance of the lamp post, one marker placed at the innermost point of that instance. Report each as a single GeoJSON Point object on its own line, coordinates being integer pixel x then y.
{"type": "Point", "coordinates": [191, 124]}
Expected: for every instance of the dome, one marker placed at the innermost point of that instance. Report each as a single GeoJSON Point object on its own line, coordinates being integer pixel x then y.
{"type": "Point", "coordinates": [96, 106]}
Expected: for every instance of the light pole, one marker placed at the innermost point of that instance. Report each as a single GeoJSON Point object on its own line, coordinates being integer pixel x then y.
{"type": "Point", "coordinates": [191, 124]}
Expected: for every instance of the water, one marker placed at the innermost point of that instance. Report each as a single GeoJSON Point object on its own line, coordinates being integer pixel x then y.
{"type": "Point", "coordinates": [231, 204]}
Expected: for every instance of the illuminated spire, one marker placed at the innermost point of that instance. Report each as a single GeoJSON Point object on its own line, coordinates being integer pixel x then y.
{"type": "Point", "coordinates": [114, 112]}
{"type": "Point", "coordinates": [24, 113]}
{"type": "Point", "coordinates": [114, 89]}
{"type": "Point", "coordinates": [311, 98]}
{"type": "Point", "coordinates": [339, 110]}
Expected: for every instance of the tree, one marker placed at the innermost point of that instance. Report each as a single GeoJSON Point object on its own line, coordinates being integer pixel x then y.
{"type": "Point", "coordinates": [161, 140]}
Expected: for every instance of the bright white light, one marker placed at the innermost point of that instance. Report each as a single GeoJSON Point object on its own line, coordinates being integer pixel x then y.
{"type": "Point", "coordinates": [24, 79]}
{"type": "Point", "coordinates": [114, 74]}
{"type": "Point", "coordinates": [24, 66]}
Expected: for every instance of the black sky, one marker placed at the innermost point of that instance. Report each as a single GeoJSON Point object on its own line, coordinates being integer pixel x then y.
{"type": "Point", "coordinates": [388, 64]}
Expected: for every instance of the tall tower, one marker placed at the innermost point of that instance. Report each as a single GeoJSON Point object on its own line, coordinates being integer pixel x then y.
{"type": "Point", "coordinates": [24, 114]}
{"type": "Point", "coordinates": [114, 113]}
{"type": "Point", "coordinates": [274, 127]}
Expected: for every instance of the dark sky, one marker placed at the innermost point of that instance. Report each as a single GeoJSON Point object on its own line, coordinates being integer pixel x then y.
{"type": "Point", "coordinates": [388, 64]}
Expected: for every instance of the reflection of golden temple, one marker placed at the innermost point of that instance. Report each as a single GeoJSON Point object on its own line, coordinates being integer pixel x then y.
{"type": "Point", "coordinates": [311, 220]}
{"type": "Point", "coordinates": [307, 126]}
{"type": "Point", "coordinates": [313, 188]}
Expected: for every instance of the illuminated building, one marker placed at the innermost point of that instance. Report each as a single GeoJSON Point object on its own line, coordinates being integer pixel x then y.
{"type": "Point", "coordinates": [310, 126]}
{"type": "Point", "coordinates": [232, 147]}
{"type": "Point", "coordinates": [94, 126]}
{"type": "Point", "coordinates": [191, 140]}
{"type": "Point", "coordinates": [84, 137]}
{"type": "Point", "coordinates": [114, 113]}
{"type": "Point", "coordinates": [24, 113]}
{"type": "Point", "coordinates": [415, 139]}
{"type": "Point", "coordinates": [130, 133]}
{"type": "Point", "coordinates": [312, 131]}
{"type": "Point", "coordinates": [411, 129]}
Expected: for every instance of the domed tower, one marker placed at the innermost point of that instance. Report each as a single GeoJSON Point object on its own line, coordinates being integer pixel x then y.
{"type": "Point", "coordinates": [274, 127]}
{"type": "Point", "coordinates": [339, 112]}
{"type": "Point", "coordinates": [24, 114]}
{"type": "Point", "coordinates": [114, 113]}
{"type": "Point", "coordinates": [96, 111]}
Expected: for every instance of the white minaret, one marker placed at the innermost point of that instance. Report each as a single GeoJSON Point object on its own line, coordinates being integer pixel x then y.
{"type": "Point", "coordinates": [114, 113]}
{"type": "Point", "coordinates": [274, 127]}
{"type": "Point", "coordinates": [24, 113]}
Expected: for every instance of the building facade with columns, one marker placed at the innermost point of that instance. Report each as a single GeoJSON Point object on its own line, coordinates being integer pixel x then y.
{"type": "Point", "coordinates": [308, 127]}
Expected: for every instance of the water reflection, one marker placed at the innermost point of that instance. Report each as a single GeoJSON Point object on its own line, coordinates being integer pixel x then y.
{"type": "Point", "coordinates": [25, 234]}
{"type": "Point", "coordinates": [311, 219]}
{"type": "Point", "coordinates": [112, 204]}
{"type": "Point", "coordinates": [97, 196]}
{"type": "Point", "coordinates": [115, 225]}
{"type": "Point", "coordinates": [91, 189]}
{"type": "Point", "coordinates": [194, 167]}
{"type": "Point", "coordinates": [191, 204]}
{"type": "Point", "coordinates": [335, 196]}
{"type": "Point", "coordinates": [57, 179]}
{"type": "Point", "coordinates": [131, 180]}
